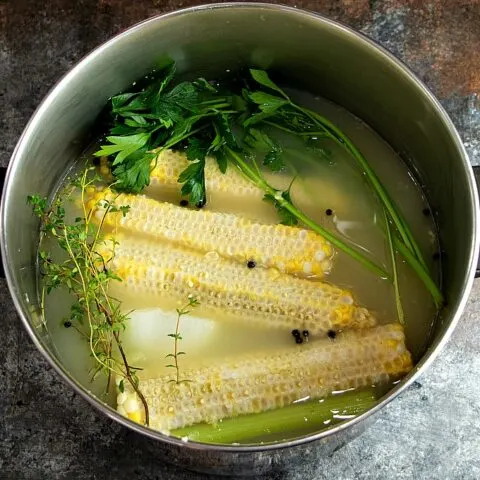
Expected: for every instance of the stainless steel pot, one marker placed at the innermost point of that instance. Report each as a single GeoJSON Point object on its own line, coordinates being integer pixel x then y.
{"type": "Point", "coordinates": [313, 53]}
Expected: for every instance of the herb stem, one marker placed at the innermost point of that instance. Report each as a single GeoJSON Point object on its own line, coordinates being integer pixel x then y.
{"type": "Point", "coordinates": [87, 297]}
{"type": "Point", "coordinates": [396, 289]}
{"type": "Point", "coordinates": [396, 217]}
{"type": "Point", "coordinates": [260, 182]}
{"type": "Point", "coordinates": [192, 302]}
{"type": "Point", "coordinates": [42, 307]}
{"type": "Point", "coordinates": [176, 140]}
{"type": "Point", "coordinates": [294, 132]}
{"type": "Point", "coordinates": [334, 240]}
{"type": "Point", "coordinates": [251, 174]}
{"type": "Point", "coordinates": [87, 282]}
{"type": "Point", "coordinates": [419, 270]}
{"type": "Point", "coordinates": [128, 372]}
{"type": "Point", "coordinates": [176, 339]}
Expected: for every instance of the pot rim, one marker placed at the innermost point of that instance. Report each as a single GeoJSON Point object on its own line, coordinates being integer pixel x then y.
{"type": "Point", "coordinates": [420, 367]}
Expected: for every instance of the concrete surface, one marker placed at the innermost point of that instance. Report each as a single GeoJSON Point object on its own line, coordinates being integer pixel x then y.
{"type": "Point", "coordinates": [48, 432]}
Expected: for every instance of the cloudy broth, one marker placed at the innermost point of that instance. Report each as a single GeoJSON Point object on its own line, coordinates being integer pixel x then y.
{"type": "Point", "coordinates": [328, 187]}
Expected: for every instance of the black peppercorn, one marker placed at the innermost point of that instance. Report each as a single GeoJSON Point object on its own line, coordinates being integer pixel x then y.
{"type": "Point", "coordinates": [305, 333]}
{"type": "Point", "coordinates": [201, 203]}
{"type": "Point", "coordinates": [251, 264]}
{"type": "Point", "coordinates": [296, 332]}
{"type": "Point", "coordinates": [329, 211]}
{"type": "Point", "coordinates": [298, 340]}
{"type": "Point", "coordinates": [426, 212]}
{"type": "Point", "coordinates": [183, 203]}
{"type": "Point", "coordinates": [67, 324]}
{"type": "Point", "coordinates": [332, 334]}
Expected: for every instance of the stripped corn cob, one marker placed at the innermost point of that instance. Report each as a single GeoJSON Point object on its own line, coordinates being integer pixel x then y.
{"type": "Point", "coordinates": [170, 164]}
{"type": "Point", "coordinates": [253, 384]}
{"type": "Point", "coordinates": [289, 249]}
{"type": "Point", "coordinates": [231, 184]}
{"type": "Point", "coordinates": [261, 296]}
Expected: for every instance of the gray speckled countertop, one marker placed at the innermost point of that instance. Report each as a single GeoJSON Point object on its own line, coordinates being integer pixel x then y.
{"type": "Point", "coordinates": [48, 432]}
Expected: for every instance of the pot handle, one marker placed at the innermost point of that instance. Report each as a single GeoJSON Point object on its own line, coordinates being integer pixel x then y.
{"type": "Point", "coordinates": [3, 174]}
{"type": "Point", "coordinates": [476, 172]}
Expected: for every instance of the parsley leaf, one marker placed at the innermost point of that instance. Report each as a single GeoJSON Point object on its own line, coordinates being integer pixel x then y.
{"type": "Point", "coordinates": [222, 161]}
{"type": "Point", "coordinates": [261, 76]}
{"type": "Point", "coordinates": [171, 106]}
{"type": "Point", "coordinates": [269, 105]}
{"type": "Point", "coordinates": [223, 127]}
{"type": "Point", "coordinates": [170, 71]}
{"type": "Point", "coordinates": [197, 149]}
{"type": "Point", "coordinates": [133, 175]}
{"type": "Point", "coordinates": [204, 85]}
{"type": "Point", "coordinates": [266, 102]}
{"type": "Point", "coordinates": [286, 217]}
{"type": "Point", "coordinates": [119, 101]}
{"type": "Point", "coordinates": [259, 141]}
{"type": "Point", "coordinates": [124, 146]}
{"type": "Point", "coordinates": [193, 179]}
{"type": "Point", "coordinates": [217, 149]}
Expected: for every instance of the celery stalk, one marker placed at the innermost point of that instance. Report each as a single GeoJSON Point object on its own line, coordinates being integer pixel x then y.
{"type": "Point", "coordinates": [315, 414]}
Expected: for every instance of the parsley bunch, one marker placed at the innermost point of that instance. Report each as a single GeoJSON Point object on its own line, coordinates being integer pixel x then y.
{"type": "Point", "coordinates": [164, 115]}
{"type": "Point", "coordinates": [234, 126]}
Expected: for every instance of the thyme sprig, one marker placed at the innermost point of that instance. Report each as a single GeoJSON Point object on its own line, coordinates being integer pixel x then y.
{"type": "Point", "coordinates": [83, 272]}
{"type": "Point", "coordinates": [181, 312]}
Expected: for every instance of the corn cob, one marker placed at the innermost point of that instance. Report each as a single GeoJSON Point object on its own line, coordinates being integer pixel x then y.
{"type": "Point", "coordinates": [261, 296]}
{"type": "Point", "coordinates": [289, 249]}
{"type": "Point", "coordinates": [170, 164]}
{"type": "Point", "coordinates": [253, 384]}
{"type": "Point", "coordinates": [230, 191]}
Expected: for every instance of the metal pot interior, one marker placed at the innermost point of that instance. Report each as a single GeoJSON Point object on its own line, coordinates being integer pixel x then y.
{"type": "Point", "coordinates": [311, 53]}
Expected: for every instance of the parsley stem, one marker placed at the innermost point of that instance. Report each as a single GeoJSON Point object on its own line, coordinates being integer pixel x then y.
{"type": "Point", "coordinates": [293, 132]}
{"type": "Point", "coordinates": [420, 270]}
{"type": "Point", "coordinates": [176, 140]}
{"type": "Point", "coordinates": [406, 244]}
{"type": "Point", "coordinates": [394, 214]}
{"type": "Point", "coordinates": [260, 182]}
{"type": "Point", "coordinates": [396, 289]}
{"type": "Point", "coordinates": [333, 239]}
{"type": "Point", "coordinates": [215, 101]}
{"type": "Point", "coordinates": [417, 264]}
{"type": "Point", "coordinates": [249, 172]}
